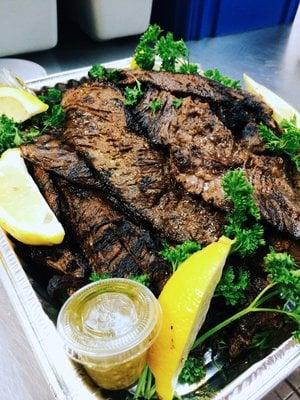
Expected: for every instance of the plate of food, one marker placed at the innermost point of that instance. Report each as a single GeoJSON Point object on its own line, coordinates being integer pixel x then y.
{"type": "Point", "coordinates": [152, 214]}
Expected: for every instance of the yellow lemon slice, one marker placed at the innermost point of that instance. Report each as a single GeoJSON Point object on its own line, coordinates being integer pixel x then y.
{"type": "Point", "coordinates": [281, 109]}
{"type": "Point", "coordinates": [185, 301]}
{"type": "Point", "coordinates": [24, 213]}
{"type": "Point", "coordinates": [133, 64]}
{"type": "Point", "coordinates": [19, 104]}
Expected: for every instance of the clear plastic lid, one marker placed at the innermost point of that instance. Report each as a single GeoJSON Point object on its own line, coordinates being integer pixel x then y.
{"type": "Point", "coordinates": [109, 321]}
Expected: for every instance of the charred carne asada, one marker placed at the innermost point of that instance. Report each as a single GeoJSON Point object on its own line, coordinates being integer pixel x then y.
{"type": "Point", "coordinates": [123, 180]}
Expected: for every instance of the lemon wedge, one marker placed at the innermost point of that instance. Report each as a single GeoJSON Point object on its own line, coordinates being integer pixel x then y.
{"type": "Point", "coordinates": [24, 213]}
{"type": "Point", "coordinates": [133, 64]}
{"type": "Point", "coordinates": [281, 109]}
{"type": "Point", "coordinates": [19, 104]}
{"type": "Point", "coordinates": [185, 301]}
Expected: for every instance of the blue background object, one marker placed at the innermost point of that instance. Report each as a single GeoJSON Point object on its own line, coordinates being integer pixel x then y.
{"type": "Point", "coordinates": [195, 19]}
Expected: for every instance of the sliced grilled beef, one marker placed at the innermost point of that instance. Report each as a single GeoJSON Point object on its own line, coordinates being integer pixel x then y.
{"type": "Point", "coordinates": [202, 149]}
{"type": "Point", "coordinates": [46, 186]}
{"type": "Point", "coordinates": [238, 110]}
{"type": "Point", "coordinates": [241, 337]}
{"type": "Point", "coordinates": [110, 242]}
{"type": "Point", "coordinates": [50, 154]}
{"type": "Point", "coordinates": [75, 170]}
{"type": "Point", "coordinates": [134, 177]}
{"type": "Point", "coordinates": [60, 258]}
{"type": "Point", "coordinates": [60, 287]}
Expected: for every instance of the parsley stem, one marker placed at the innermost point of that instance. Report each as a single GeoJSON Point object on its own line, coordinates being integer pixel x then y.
{"type": "Point", "coordinates": [260, 295]}
{"type": "Point", "coordinates": [253, 307]}
{"type": "Point", "coordinates": [267, 297]}
{"type": "Point", "coordinates": [272, 310]}
{"type": "Point", "coordinates": [220, 326]}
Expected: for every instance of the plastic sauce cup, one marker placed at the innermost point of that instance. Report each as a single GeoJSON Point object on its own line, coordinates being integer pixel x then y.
{"type": "Point", "coordinates": [108, 326]}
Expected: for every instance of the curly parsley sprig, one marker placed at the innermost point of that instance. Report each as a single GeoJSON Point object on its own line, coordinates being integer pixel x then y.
{"type": "Point", "coordinates": [144, 279]}
{"type": "Point", "coordinates": [12, 134]}
{"type": "Point", "coordinates": [133, 94]}
{"type": "Point", "coordinates": [172, 53]}
{"type": "Point", "coordinates": [178, 254]}
{"type": "Point", "coordinates": [216, 75]}
{"type": "Point", "coordinates": [146, 49]}
{"type": "Point", "coordinates": [233, 286]}
{"type": "Point", "coordinates": [155, 105]}
{"type": "Point", "coordinates": [98, 71]}
{"type": "Point", "coordinates": [55, 115]}
{"type": "Point", "coordinates": [288, 143]}
{"type": "Point", "coordinates": [243, 221]}
{"type": "Point", "coordinates": [193, 371]}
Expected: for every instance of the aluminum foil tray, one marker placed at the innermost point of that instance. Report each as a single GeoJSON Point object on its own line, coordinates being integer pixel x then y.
{"type": "Point", "coordinates": [68, 381]}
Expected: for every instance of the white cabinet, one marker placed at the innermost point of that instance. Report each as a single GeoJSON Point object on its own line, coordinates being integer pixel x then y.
{"type": "Point", "coordinates": [108, 19]}
{"type": "Point", "coordinates": [27, 25]}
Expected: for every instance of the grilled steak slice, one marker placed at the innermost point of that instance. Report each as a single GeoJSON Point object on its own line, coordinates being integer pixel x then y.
{"type": "Point", "coordinates": [238, 110]}
{"type": "Point", "coordinates": [60, 258]}
{"type": "Point", "coordinates": [202, 149]}
{"type": "Point", "coordinates": [60, 287]}
{"type": "Point", "coordinates": [46, 186]}
{"type": "Point", "coordinates": [200, 146]}
{"type": "Point", "coordinates": [50, 154]}
{"type": "Point", "coordinates": [134, 177]}
{"type": "Point", "coordinates": [109, 241]}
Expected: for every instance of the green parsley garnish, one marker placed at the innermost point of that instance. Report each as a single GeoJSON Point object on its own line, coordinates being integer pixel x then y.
{"type": "Point", "coordinates": [94, 277]}
{"type": "Point", "coordinates": [99, 72]}
{"type": "Point", "coordinates": [155, 105]}
{"type": "Point", "coordinates": [12, 135]}
{"type": "Point", "coordinates": [55, 114]}
{"type": "Point", "coordinates": [146, 49]}
{"type": "Point", "coordinates": [188, 68]}
{"type": "Point", "coordinates": [51, 96]}
{"type": "Point", "coordinates": [193, 371]}
{"type": "Point", "coordinates": [133, 94]}
{"type": "Point", "coordinates": [144, 279]}
{"type": "Point", "coordinates": [176, 255]}
{"type": "Point", "coordinates": [177, 103]}
{"type": "Point", "coordinates": [170, 51]}
{"type": "Point", "coordinates": [216, 75]}
{"type": "Point", "coordinates": [284, 283]}
{"type": "Point", "coordinates": [288, 143]}
{"type": "Point", "coordinates": [243, 222]}
{"type": "Point", "coordinates": [233, 286]}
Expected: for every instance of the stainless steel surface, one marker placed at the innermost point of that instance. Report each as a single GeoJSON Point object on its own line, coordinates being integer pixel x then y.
{"type": "Point", "coordinates": [272, 56]}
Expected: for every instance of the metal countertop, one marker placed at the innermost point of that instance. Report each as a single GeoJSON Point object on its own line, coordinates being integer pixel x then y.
{"type": "Point", "coordinates": [271, 56]}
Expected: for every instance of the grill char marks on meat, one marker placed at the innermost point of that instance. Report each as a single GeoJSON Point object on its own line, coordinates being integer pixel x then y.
{"type": "Point", "coordinates": [62, 258]}
{"type": "Point", "coordinates": [45, 183]}
{"type": "Point", "coordinates": [50, 154]}
{"type": "Point", "coordinates": [134, 177]}
{"type": "Point", "coordinates": [238, 110]}
{"type": "Point", "coordinates": [111, 243]}
{"type": "Point", "coordinates": [202, 149]}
